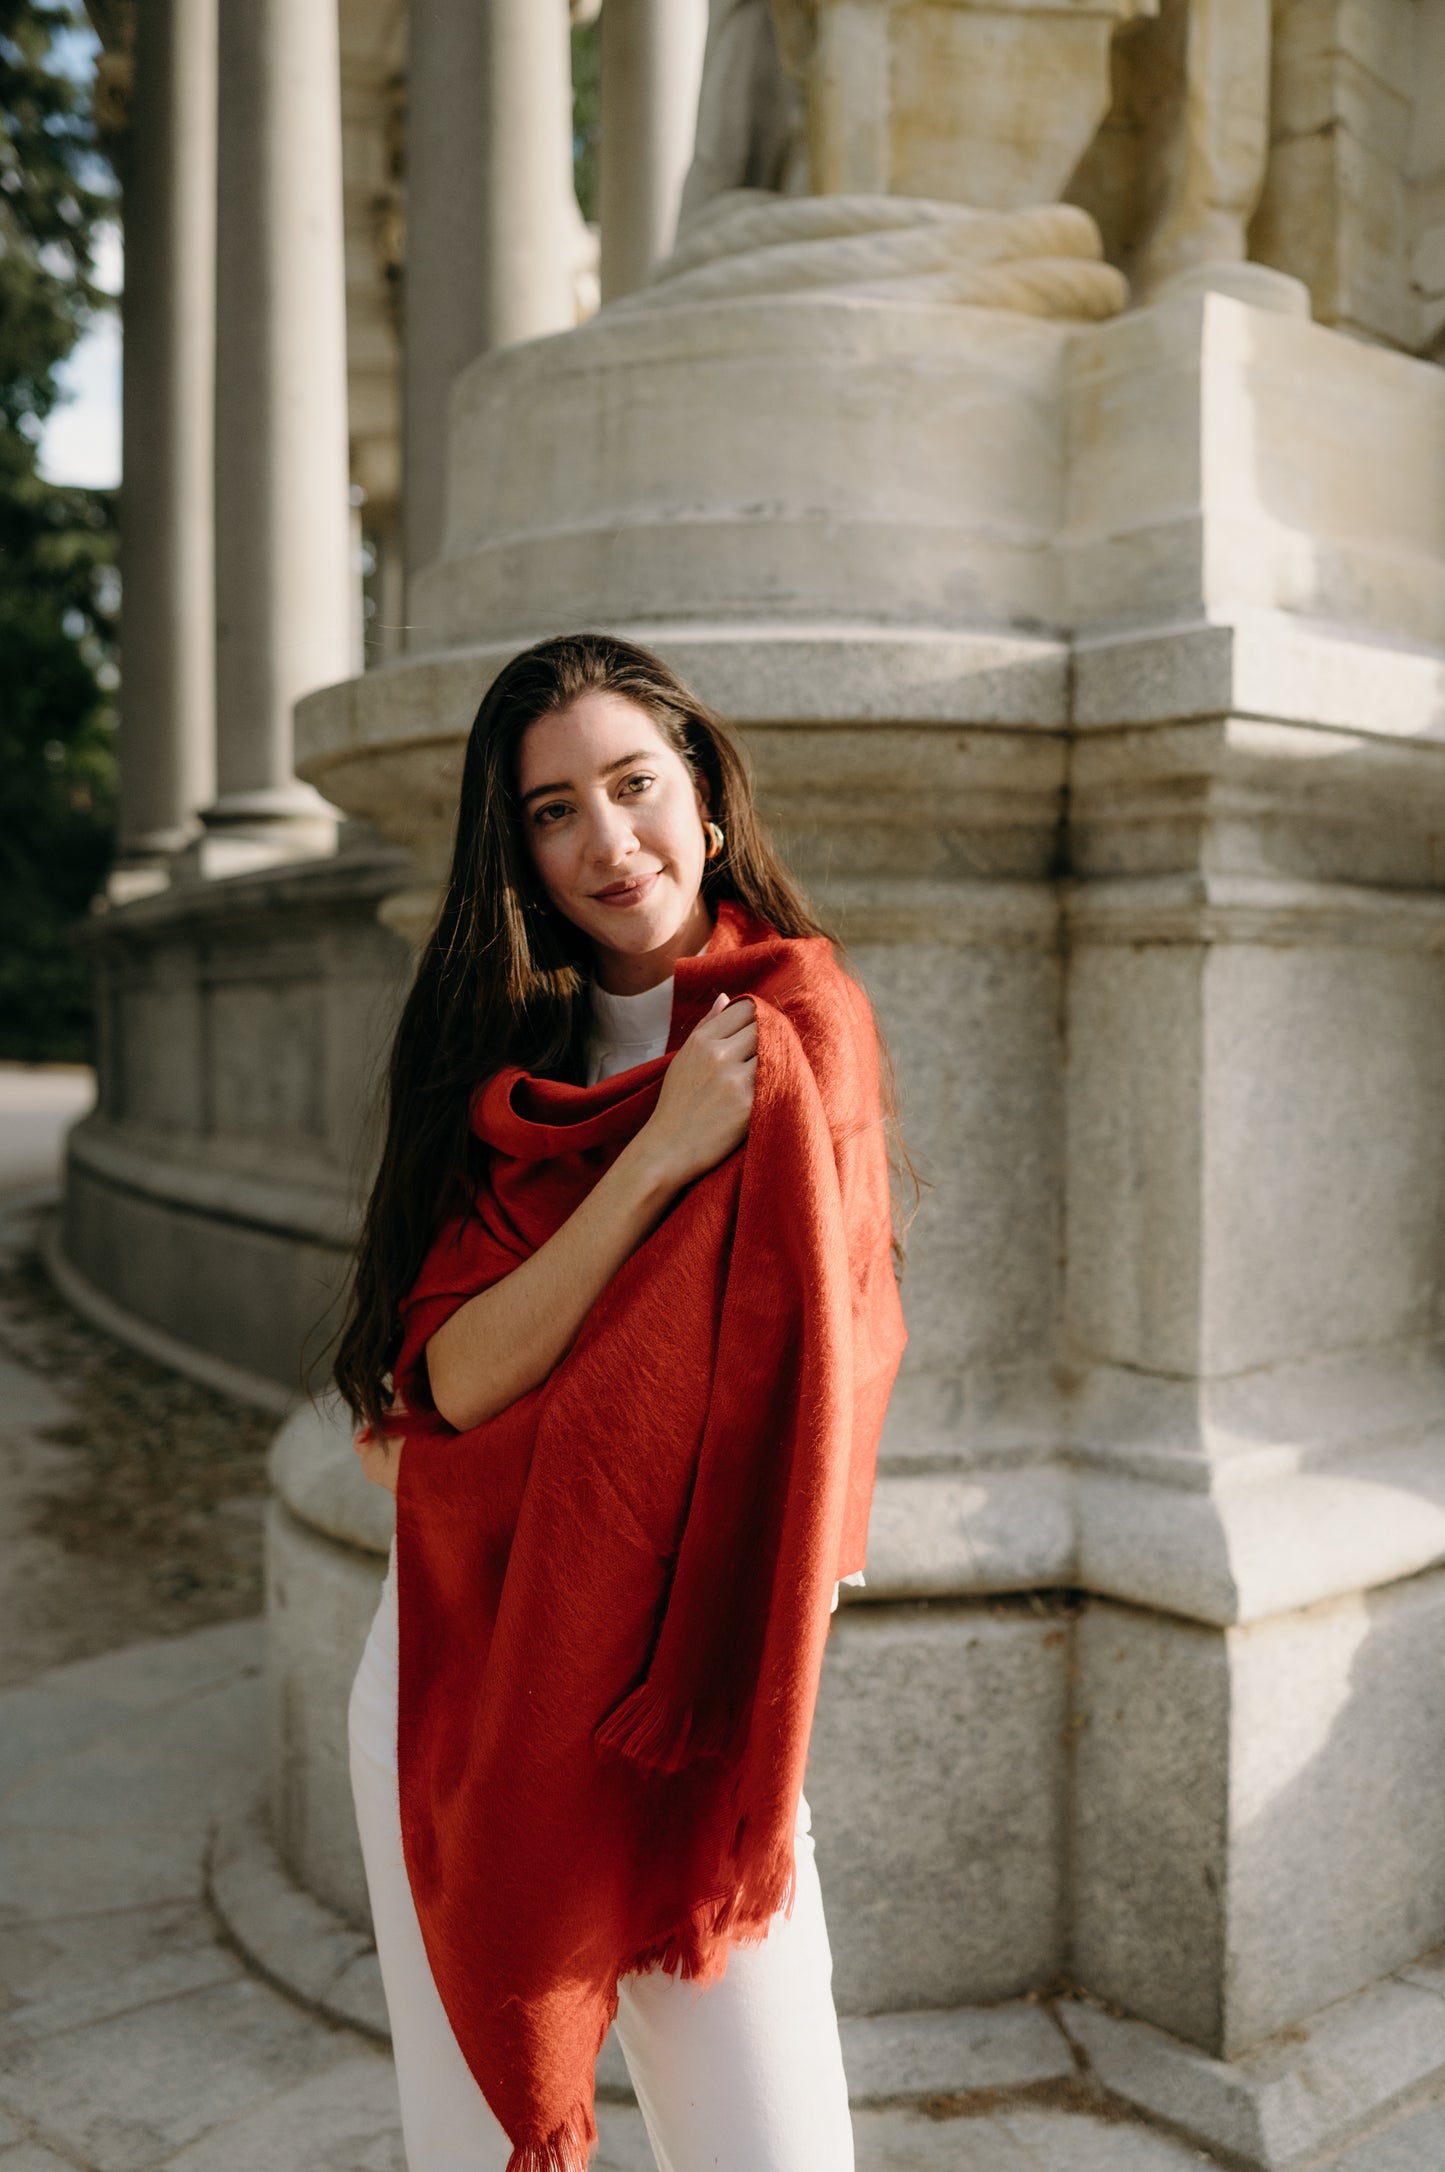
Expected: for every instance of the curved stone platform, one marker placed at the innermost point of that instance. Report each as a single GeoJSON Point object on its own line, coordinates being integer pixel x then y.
{"type": "Point", "coordinates": [211, 1195]}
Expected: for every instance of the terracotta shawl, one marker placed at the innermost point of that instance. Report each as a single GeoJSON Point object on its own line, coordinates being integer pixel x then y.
{"type": "Point", "coordinates": [614, 1595]}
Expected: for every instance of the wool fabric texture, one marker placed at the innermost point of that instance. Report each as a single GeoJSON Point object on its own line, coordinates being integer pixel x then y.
{"type": "Point", "coordinates": [614, 1594]}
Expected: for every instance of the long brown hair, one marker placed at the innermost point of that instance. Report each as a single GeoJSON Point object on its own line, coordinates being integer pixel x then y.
{"type": "Point", "coordinates": [505, 979]}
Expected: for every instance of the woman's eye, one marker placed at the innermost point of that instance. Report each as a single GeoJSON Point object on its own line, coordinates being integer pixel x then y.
{"type": "Point", "coordinates": [639, 783]}
{"type": "Point", "coordinates": [543, 816]}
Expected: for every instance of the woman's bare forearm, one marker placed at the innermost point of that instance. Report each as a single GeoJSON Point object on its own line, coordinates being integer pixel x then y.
{"type": "Point", "coordinates": [501, 1343]}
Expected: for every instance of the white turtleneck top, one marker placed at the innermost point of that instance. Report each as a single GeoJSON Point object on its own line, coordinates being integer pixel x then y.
{"type": "Point", "coordinates": [628, 1030]}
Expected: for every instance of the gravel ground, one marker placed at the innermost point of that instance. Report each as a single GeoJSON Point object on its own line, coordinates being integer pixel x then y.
{"type": "Point", "coordinates": [132, 1498]}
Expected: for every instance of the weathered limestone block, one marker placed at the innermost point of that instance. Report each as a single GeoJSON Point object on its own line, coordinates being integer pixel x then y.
{"type": "Point", "coordinates": [887, 83]}
{"type": "Point", "coordinates": [1334, 210]}
{"type": "Point", "coordinates": [936, 1783]}
{"type": "Point", "coordinates": [755, 463]}
{"type": "Point", "coordinates": [1262, 1187]}
{"type": "Point", "coordinates": [1150, 1818]}
{"type": "Point", "coordinates": [1225, 460]}
{"type": "Point", "coordinates": [1254, 1809]}
{"type": "Point", "coordinates": [974, 1030]}
{"type": "Point", "coordinates": [924, 846]}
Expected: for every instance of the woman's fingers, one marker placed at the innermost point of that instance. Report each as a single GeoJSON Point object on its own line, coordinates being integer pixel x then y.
{"type": "Point", "coordinates": [742, 1039]}
{"type": "Point", "coordinates": [379, 1453]}
{"type": "Point", "coordinates": [740, 1015]}
{"type": "Point", "coordinates": [380, 1462]}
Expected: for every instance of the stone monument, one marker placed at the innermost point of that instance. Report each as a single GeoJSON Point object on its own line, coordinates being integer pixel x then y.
{"type": "Point", "coordinates": [1020, 447]}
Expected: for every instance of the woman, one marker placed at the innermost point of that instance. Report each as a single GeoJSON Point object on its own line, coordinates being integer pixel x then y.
{"type": "Point", "coordinates": [623, 1328]}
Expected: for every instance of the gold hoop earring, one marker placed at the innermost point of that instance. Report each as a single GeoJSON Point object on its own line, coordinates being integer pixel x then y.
{"type": "Point", "coordinates": [715, 840]}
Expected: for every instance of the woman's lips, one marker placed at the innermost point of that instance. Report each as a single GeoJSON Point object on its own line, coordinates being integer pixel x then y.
{"type": "Point", "coordinates": [627, 893]}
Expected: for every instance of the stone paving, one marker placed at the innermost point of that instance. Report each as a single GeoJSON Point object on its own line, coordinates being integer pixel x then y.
{"type": "Point", "coordinates": [134, 2036]}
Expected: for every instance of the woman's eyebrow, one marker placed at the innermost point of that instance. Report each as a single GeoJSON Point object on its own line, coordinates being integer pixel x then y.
{"type": "Point", "coordinates": [638, 754]}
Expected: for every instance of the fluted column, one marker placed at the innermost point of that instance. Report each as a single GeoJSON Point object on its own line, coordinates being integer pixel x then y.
{"type": "Point", "coordinates": [651, 69]}
{"type": "Point", "coordinates": [168, 702]}
{"type": "Point", "coordinates": [491, 216]}
{"type": "Point", "coordinates": [283, 521]}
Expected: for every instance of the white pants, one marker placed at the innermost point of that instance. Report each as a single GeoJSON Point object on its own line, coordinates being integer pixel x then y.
{"type": "Point", "coordinates": [744, 2075]}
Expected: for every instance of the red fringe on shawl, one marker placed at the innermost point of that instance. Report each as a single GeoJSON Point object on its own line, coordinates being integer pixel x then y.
{"type": "Point", "coordinates": [647, 1731]}
{"type": "Point", "coordinates": [566, 2148]}
{"type": "Point", "coordinates": [697, 1948]}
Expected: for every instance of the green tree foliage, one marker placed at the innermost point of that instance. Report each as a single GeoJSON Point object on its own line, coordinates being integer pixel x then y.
{"type": "Point", "coordinates": [58, 587]}
{"type": "Point", "coordinates": [586, 86]}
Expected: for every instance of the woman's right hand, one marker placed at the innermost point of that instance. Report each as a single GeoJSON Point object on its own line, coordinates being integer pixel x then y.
{"type": "Point", "coordinates": [506, 1339]}
{"type": "Point", "coordinates": [706, 1102]}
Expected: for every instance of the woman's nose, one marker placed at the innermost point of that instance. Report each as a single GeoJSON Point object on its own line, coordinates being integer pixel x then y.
{"type": "Point", "coordinates": [610, 833]}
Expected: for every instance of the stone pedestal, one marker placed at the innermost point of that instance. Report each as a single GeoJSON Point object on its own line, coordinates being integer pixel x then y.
{"type": "Point", "coordinates": [1092, 680]}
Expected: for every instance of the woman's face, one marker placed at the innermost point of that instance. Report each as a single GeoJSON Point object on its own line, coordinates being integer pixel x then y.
{"type": "Point", "coordinates": [614, 824]}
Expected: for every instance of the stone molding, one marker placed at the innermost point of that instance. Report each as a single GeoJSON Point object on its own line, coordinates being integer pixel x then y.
{"type": "Point", "coordinates": [1219, 1548]}
{"type": "Point", "coordinates": [891, 909]}
{"type": "Point", "coordinates": [756, 672]}
{"type": "Point", "coordinates": [1110, 1506]}
{"type": "Point", "coordinates": [1258, 663]}
{"type": "Point", "coordinates": [153, 1342]}
{"type": "Point", "coordinates": [1312, 2088]}
{"type": "Point", "coordinates": [370, 871]}
{"type": "Point", "coordinates": [1202, 908]}
{"type": "Point", "coordinates": [1311, 782]}
{"type": "Point", "coordinates": [1244, 1553]}
{"type": "Point", "coordinates": [195, 1179]}
{"type": "Point", "coordinates": [1259, 666]}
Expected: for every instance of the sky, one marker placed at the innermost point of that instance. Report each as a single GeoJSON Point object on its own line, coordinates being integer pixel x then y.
{"type": "Point", "coordinates": [81, 440]}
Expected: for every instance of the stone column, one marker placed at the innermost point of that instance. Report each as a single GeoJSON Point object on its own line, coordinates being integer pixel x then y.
{"type": "Point", "coordinates": [167, 759]}
{"type": "Point", "coordinates": [283, 519]}
{"type": "Point", "coordinates": [651, 69]}
{"type": "Point", "coordinates": [526, 144]}
{"type": "Point", "coordinates": [445, 304]}
{"type": "Point", "coordinates": [491, 216]}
